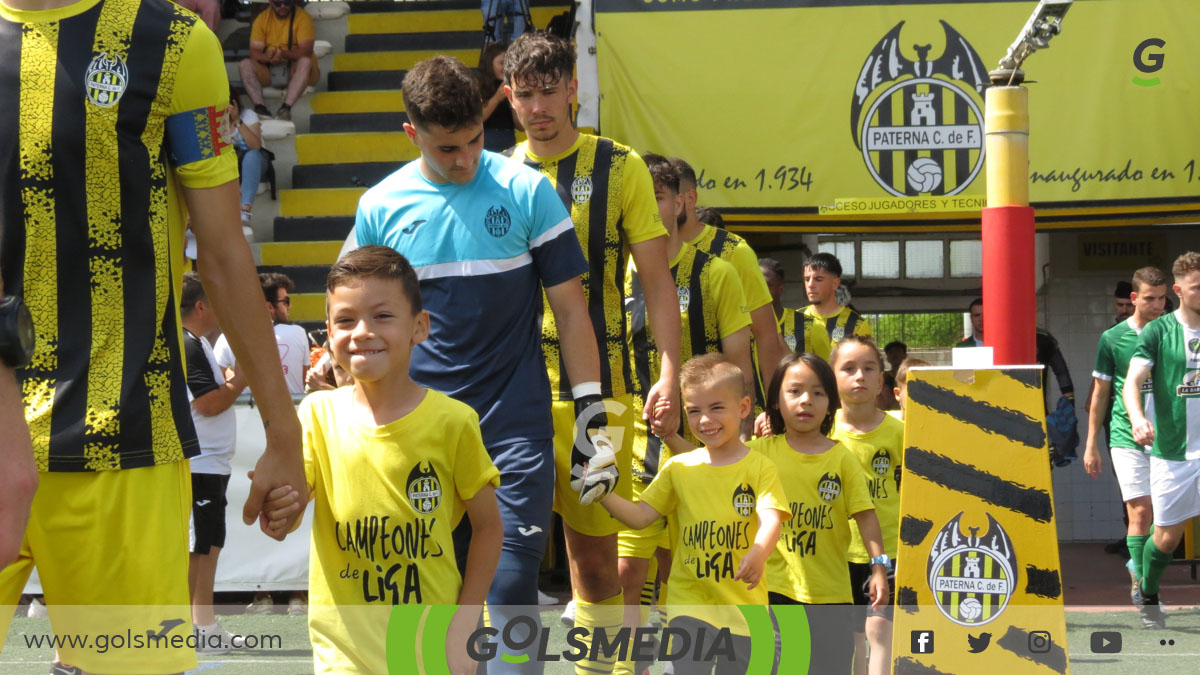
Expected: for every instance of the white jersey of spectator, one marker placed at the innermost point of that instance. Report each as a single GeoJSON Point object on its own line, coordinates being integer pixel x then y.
{"type": "Point", "coordinates": [217, 433]}
{"type": "Point", "coordinates": [293, 353]}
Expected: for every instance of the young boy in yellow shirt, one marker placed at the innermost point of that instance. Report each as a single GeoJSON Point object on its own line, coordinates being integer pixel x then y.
{"type": "Point", "coordinates": [724, 506]}
{"type": "Point", "coordinates": [392, 467]}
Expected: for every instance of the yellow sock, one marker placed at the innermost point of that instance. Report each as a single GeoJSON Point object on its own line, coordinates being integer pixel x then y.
{"type": "Point", "coordinates": [606, 615]}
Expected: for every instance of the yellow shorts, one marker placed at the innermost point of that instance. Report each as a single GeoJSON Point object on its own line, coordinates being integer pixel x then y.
{"type": "Point", "coordinates": [642, 543]}
{"type": "Point", "coordinates": [592, 519]}
{"type": "Point", "coordinates": [111, 550]}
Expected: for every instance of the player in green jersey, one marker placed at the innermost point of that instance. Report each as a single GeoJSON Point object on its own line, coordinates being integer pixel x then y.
{"type": "Point", "coordinates": [1169, 352]}
{"type": "Point", "coordinates": [1130, 462]}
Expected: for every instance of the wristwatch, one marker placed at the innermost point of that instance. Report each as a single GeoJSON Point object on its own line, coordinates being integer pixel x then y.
{"type": "Point", "coordinates": [16, 332]}
{"type": "Point", "coordinates": [883, 560]}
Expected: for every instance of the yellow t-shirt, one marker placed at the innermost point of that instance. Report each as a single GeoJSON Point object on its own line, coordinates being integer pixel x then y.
{"type": "Point", "coordinates": [712, 513]}
{"type": "Point", "coordinates": [273, 31]}
{"type": "Point", "coordinates": [824, 491]}
{"type": "Point", "coordinates": [710, 302]}
{"type": "Point", "coordinates": [734, 250]}
{"type": "Point", "coordinates": [803, 334]}
{"type": "Point", "coordinates": [610, 194]}
{"type": "Point", "coordinates": [881, 454]}
{"type": "Point", "coordinates": [385, 501]}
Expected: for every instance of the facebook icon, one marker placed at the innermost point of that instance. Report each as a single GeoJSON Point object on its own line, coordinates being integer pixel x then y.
{"type": "Point", "coordinates": [922, 642]}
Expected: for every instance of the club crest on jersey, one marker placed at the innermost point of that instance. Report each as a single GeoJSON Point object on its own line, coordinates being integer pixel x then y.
{"type": "Point", "coordinates": [791, 342]}
{"type": "Point", "coordinates": [881, 462]}
{"type": "Point", "coordinates": [919, 124]}
{"type": "Point", "coordinates": [743, 500]}
{"type": "Point", "coordinates": [581, 189]}
{"type": "Point", "coordinates": [497, 221]}
{"type": "Point", "coordinates": [972, 577]}
{"type": "Point", "coordinates": [829, 487]}
{"type": "Point", "coordinates": [1194, 346]}
{"type": "Point", "coordinates": [1190, 386]}
{"type": "Point", "coordinates": [423, 488]}
{"type": "Point", "coordinates": [685, 298]}
{"type": "Point", "coordinates": [837, 333]}
{"type": "Point", "coordinates": [106, 79]}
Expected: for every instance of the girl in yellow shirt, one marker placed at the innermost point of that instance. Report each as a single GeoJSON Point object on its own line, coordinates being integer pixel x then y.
{"type": "Point", "coordinates": [826, 486]}
{"type": "Point", "coordinates": [877, 440]}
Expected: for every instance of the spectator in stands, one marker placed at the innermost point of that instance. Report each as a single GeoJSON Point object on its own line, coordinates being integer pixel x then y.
{"type": "Point", "coordinates": [710, 216]}
{"type": "Point", "coordinates": [499, 123]}
{"type": "Point", "coordinates": [773, 272]}
{"type": "Point", "coordinates": [1122, 301]}
{"type": "Point", "coordinates": [247, 140]}
{"type": "Point", "coordinates": [895, 351]}
{"type": "Point", "coordinates": [281, 55]}
{"type": "Point", "coordinates": [291, 339]}
{"type": "Point", "coordinates": [212, 397]}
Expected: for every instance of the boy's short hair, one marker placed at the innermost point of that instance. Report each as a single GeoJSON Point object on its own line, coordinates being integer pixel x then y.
{"type": "Point", "coordinates": [974, 303]}
{"type": "Point", "coordinates": [774, 265]}
{"type": "Point", "coordinates": [828, 383]}
{"type": "Point", "coordinates": [710, 216]}
{"type": "Point", "coordinates": [687, 175]}
{"type": "Point", "coordinates": [539, 59]}
{"type": "Point", "coordinates": [824, 261]}
{"type": "Point", "coordinates": [1147, 276]}
{"type": "Point", "coordinates": [905, 365]}
{"type": "Point", "coordinates": [380, 262]}
{"type": "Point", "coordinates": [856, 340]}
{"type": "Point", "coordinates": [709, 370]}
{"type": "Point", "coordinates": [271, 282]}
{"type": "Point", "coordinates": [895, 344]}
{"type": "Point", "coordinates": [442, 91]}
{"type": "Point", "coordinates": [1186, 264]}
{"type": "Point", "coordinates": [662, 171]}
{"type": "Point", "coordinates": [193, 292]}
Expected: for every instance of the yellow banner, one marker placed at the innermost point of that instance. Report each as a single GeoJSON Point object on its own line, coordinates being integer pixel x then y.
{"type": "Point", "coordinates": [794, 105]}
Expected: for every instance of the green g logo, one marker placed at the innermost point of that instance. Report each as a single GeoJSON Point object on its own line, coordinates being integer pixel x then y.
{"type": "Point", "coordinates": [1148, 63]}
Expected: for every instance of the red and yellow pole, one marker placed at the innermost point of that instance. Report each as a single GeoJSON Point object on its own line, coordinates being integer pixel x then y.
{"type": "Point", "coordinates": [1009, 270]}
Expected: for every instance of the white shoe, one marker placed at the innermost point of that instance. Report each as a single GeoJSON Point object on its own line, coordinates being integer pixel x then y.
{"type": "Point", "coordinates": [216, 640]}
{"type": "Point", "coordinates": [297, 607]}
{"type": "Point", "coordinates": [568, 615]}
{"type": "Point", "coordinates": [263, 605]}
{"type": "Point", "coordinates": [37, 610]}
{"type": "Point", "coordinates": [546, 599]}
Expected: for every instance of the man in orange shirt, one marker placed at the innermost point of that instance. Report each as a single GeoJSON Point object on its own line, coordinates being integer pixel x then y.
{"type": "Point", "coordinates": [281, 54]}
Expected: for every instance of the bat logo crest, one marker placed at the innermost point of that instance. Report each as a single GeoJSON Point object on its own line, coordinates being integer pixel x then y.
{"type": "Point", "coordinates": [919, 124]}
{"type": "Point", "coordinates": [743, 500]}
{"type": "Point", "coordinates": [972, 577]}
{"type": "Point", "coordinates": [829, 487]}
{"type": "Point", "coordinates": [106, 79]}
{"type": "Point", "coordinates": [424, 488]}
{"type": "Point", "coordinates": [685, 298]}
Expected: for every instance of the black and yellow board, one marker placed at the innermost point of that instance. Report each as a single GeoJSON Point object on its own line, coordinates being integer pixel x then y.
{"type": "Point", "coordinates": [978, 581]}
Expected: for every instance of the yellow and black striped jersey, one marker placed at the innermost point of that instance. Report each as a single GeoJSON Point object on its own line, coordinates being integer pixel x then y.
{"type": "Point", "coordinates": [608, 190]}
{"type": "Point", "coordinates": [733, 249]}
{"type": "Point", "coordinates": [806, 330]}
{"type": "Point", "coordinates": [710, 308]}
{"type": "Point", "coordinates": [113, 106]}
{"type": "Point", "coordinates": [802, 334]}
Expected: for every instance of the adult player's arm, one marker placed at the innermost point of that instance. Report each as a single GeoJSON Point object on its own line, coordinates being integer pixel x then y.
{"type": "Point", "coordinates": [1097, 406]}
{"type": "Point", "coordinates": [736, 348]}
{"type": "Point", "coordinates": [19, 479]}
{"type": "Point", "coordinates": [207, 168]}
{"type": "Point", "coordinates": [868, 526]}
{"type": "Point", "coordinates": [662, 311]}
{"type": "Point", "coordinates": [580, 353]}
{"type": "Point", "coordinates": [1143, 429]}
{"type": "Point", "coordinates": [767, 339]}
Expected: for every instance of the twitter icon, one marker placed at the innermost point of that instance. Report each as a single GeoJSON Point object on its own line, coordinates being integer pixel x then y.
{"type": "Point", "coordinates": [978, 644]}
